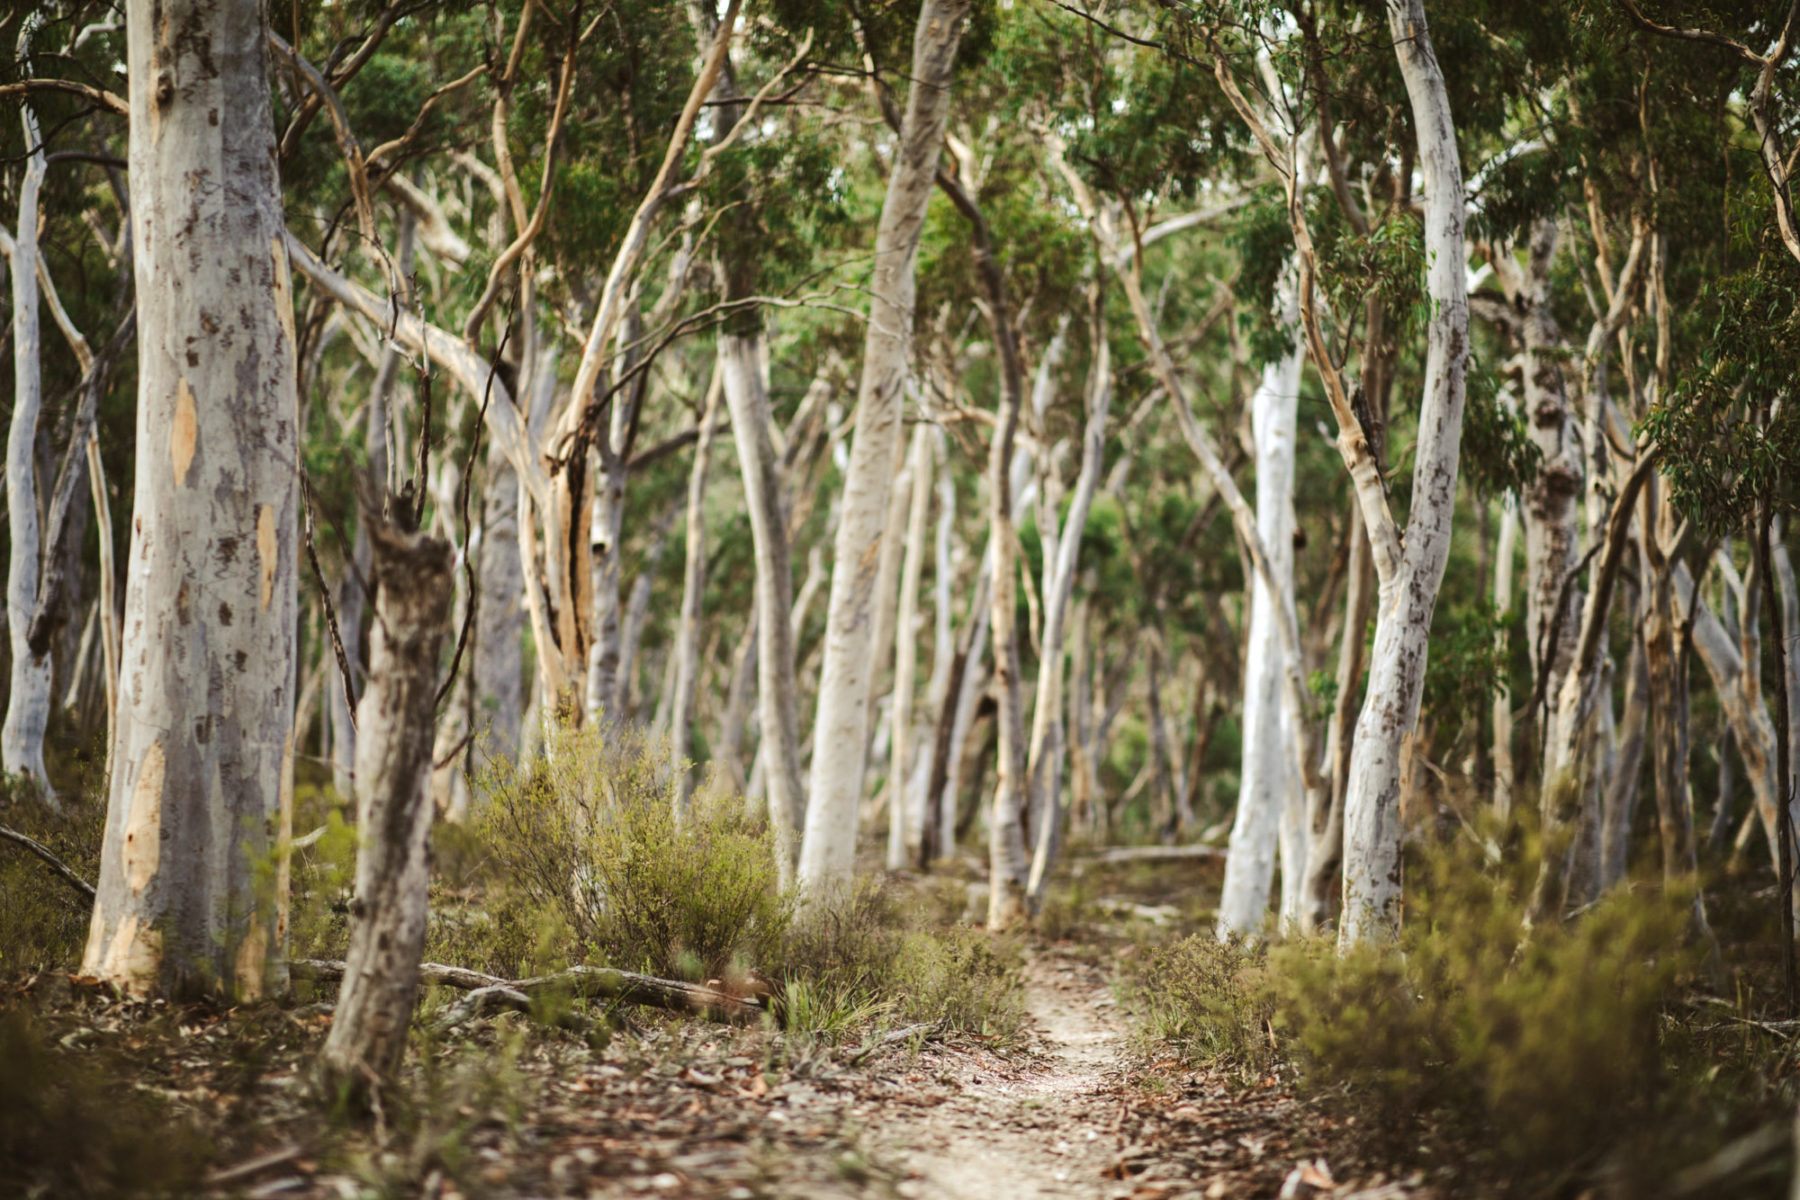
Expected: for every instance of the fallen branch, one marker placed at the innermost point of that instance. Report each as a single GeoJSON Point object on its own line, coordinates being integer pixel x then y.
{"type": "Point", "coordinates": [1120, 854]}
{"type": "Point", "coordinates": [56, 864]}
{"type": "Point", "coordinates": [588, 983]}
{"type": "Point", "coordinates": [487, 1001]}
{"type": "Point", "coordinates": [927, 1031]}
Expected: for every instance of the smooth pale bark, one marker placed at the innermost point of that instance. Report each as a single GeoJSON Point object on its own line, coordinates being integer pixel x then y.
{"type": "Point", "coordinates": [1006, 836]}
{"type": "Point", "coordinates": [1045, 762]}
{"type": "Point", "coordinates": [841, 724]}
{"type": "Point", "coordinates": [944, 672]}
{"type": "Point", "coordinates": [28, 696]}
{"type": "Point", "coordinates": [193, 871]}
{"type": "Point", "coordinates": [1269, 782]}
{"type": "Point", "coordinates": [741, 359]}
{"type": "Point", "coordinates": [498, 665]}
{"type": "Point", "coordinates": [687, 637]}
{"type": "Point", "coordinates": [888, 572]}
{"type": "Point", "coordinates": [901, 829]}
{"type": "Point", "coordinates": [1506, 544]}
{"type": "Point", "coordinates": [393, 762]}
{"type": "Point", "coordinates": [1408, 589]}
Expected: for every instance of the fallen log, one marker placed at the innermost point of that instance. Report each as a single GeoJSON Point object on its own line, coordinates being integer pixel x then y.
{"type": "Point", "coordinates": [588, 983]}
{"type": "Point", "coordinates": [1122, 854]}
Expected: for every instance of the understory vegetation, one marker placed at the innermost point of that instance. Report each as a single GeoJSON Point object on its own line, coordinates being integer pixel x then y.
{"type": "Point", "coordinates": [1613, 1050]}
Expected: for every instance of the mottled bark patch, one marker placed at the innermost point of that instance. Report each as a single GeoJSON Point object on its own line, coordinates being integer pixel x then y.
{"type": "Point", "coordinates": [266, 551]}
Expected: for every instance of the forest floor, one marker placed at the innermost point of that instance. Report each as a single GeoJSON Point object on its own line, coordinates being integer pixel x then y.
{"type": "Point", "coordinates": [1080, 1116]}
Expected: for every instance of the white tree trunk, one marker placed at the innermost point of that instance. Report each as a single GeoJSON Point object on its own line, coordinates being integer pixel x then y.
{"type": "Point", "coordinates": [1502, 708]}
{"type": "Point", "coordinates": [687, 638]}
{"type": "Point", "coordinates": [841, 725]}
{"type": "Point", "coordinates": [902, 831]}
{"type": "Point", "coordinates": [28, 697]}
{"type": "Point", "coordinates": [498, 665]}
{"type": "Point", "coordinates": [741, 359]}
{"type": "Point", "coordinates": [193, 874]}
{"type": "Point", "coordinates": [1269, 784]}
{"type": "Point", "coordinates": [393, 763]}
{"type": "Point", "coordinates": [1372, 832]}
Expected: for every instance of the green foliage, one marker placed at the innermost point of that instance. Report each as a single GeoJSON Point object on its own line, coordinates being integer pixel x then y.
{"type": "Point", "coordinates": [589, 831]}
{"type": "Point", "coordinates": [1543, 1044]}
{"type": "Point", "coordinates": [1468, 665]}
{"type": "Point", "coordinates": [1497, 453]}
{"type": "Point", "coordinates": [863, 946]}
{"type": "Point", "coordinates": [1207, 999]}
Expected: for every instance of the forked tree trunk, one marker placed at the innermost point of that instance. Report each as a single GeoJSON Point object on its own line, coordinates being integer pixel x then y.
{"type": "Point", "coordinates": [842, 721]}
{"type": "Point", "coordinates": [193, 874]}
{"type": "Point", "coordinates": [28, 697]}
{"type": "Point", "coordinates": [1270, 780]}
{"type": "Point", "coordinates": [414, 585]}
{"type": "Point", "coordinates": [1408, 595]}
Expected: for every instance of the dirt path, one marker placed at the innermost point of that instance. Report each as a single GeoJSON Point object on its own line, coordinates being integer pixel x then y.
{"type": "Point", "coordinates": [1048, 1129]}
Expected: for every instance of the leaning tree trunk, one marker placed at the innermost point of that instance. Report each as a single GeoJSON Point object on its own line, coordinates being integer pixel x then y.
{"type": "Point", "coordinates": [200, 794]}
{"type": "Point", "coordinates": [414, 586]}
{"type": "Point", "coordinates": [28, 698]}
{"type": "Point", "coordinates": [498, 663]}
{"type": "Point", "coordinates": [1270, 779]}
{"type": "Point", "coordinates": [1372, 830]}
{"type": "Point", "coordinates": [842, 720]}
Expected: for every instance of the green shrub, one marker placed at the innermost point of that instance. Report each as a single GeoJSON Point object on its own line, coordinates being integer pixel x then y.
{"type": "Point", "coordinates": [867, 944]}
{"type": "Point", "coordinates": [590, 831]}
{"type": "Point", "coordinates": [1545, 1047]}
{"type": "Point", "coordinates": [1206, 999]}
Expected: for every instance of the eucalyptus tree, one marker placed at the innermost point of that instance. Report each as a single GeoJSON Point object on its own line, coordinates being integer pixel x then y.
{"type": "Point", "coordinates": [200, 794]}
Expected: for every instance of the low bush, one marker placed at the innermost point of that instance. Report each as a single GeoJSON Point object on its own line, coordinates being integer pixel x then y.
{"type": "Point", "coordinates": [1206, 999]}
{"type": "Point", "coordinates": [590, 831]}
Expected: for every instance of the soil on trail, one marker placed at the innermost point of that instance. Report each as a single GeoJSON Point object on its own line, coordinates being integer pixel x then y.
{"type": "Point", "coordinates": [1079, 1119]}
{"type": "Point", "coordinates": [1049, 1128]}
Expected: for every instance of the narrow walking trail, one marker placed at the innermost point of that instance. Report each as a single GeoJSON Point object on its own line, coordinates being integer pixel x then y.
{"type": "Point", "coordinates": [1046, 1129]}
{"type": "Point", "coordinates": [1081, 1119]}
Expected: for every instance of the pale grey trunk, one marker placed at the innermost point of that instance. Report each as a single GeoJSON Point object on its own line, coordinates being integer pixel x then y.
{"type": "Point", "coordinates": [741, 365]}
{"type": "Point", "coordinates": [829, 845]}
{"type": "Point", "coordinates": [1372, 828]}
{"type": "Point", "coordinates": [28, 697]}
{"type": "Point", "coordinates": [193, 873]}
{"type": "Point", "coordinates": [393, 761]}
{"type": "Point", "coordinates": [687, 637]}
{"type": "Point", "coordinates": [902, 828]}
{"type": "Point", "coordinates": [1502, 706]}
{"type": "Point", "coordinates": [498, 665]}
{"type": "Point", "coordinates": [888, 571]}
{"type": "Point", "coordinates": [605, 532]}
{"type": "Point", "coordinates": [1270, 781]}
